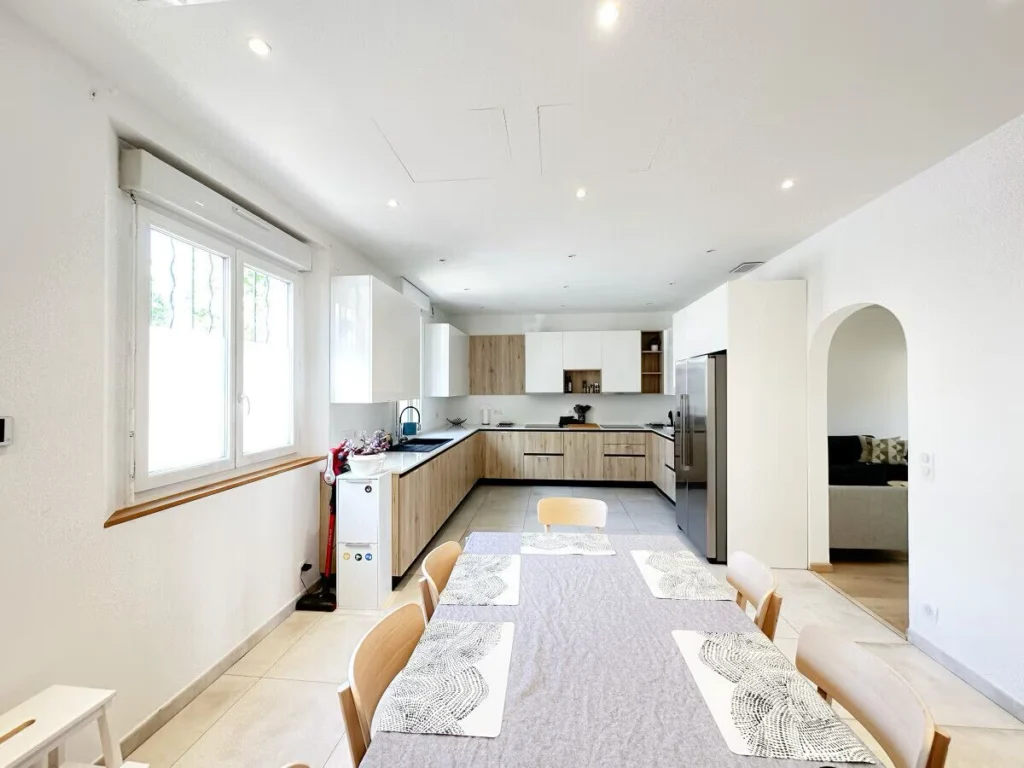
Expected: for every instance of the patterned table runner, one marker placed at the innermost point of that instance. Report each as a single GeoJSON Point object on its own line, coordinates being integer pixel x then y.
{"type": "Point", "coordinates": [679, 575]}
{"type": "Point", "coordinates": [483, 580]}
{"type": "Point", "coordinates": [762, 705]}
{"type": "Point", "coordinates": [566, 544]}
{"type": "Point", "coordinates": [454, 683]}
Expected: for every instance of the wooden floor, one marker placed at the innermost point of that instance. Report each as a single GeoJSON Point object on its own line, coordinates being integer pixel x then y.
{"type": "Point", "coordinates": [881, 587]}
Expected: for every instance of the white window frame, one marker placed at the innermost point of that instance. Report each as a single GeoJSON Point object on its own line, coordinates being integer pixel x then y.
{"type": "Point", "coordinates": [236, 257]}
{"type": "Point", "coordinates": [291, 277]}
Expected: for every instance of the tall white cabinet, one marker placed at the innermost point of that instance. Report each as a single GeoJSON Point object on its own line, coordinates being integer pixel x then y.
{"type": "Point", "coordinates": [544, 364]}
{"type": "Point", "coordinates": [620, 361]}
{"type": "Point", "coordinates": [446, 361]}
{"type": "Point", "coordinates": [375, 342]}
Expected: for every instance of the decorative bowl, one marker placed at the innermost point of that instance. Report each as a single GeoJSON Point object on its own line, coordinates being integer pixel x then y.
{"type": "Point", "coordinates": [456, 422]}
{"type": "Point", "coordinates": [367, 464]}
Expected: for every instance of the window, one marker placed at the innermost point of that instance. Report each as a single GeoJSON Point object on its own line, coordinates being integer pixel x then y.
{"type": "Point", "coordinates": [214, 355]}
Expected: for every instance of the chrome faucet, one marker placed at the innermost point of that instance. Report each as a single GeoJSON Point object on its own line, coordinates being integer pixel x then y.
{"type": "Point", "coordinates": [419, 419]}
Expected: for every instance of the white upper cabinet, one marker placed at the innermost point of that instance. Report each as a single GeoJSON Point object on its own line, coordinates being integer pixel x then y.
{"type": "Point", "coordinates": [446, 361]}
{"type": "Point", "coordinates": [375, 342]}
{"type": "Point", "coordinates": [581, 350]}
{"type": "Point", "coordinates": [620, 361]}
{"type": "Point", "coordinates": [544, 362]}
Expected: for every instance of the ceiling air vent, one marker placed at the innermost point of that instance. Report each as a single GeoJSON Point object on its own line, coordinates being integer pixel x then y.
{"type": "Point", "coordinates": [746, 266]}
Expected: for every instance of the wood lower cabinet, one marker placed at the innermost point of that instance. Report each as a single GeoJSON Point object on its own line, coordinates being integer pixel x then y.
{"type": "Point", "coordinates": [503, 455]}
{"type": "Point", "coordinates": [625, 469]}
{"type": "Point", "coordinates": [661, 464]}
{"type": "Point", "coordinates": [543, 467]}
{"type": "Point", "coordinates": [583, 456]}
{"type": "Point", "coordinates": [423, 499]}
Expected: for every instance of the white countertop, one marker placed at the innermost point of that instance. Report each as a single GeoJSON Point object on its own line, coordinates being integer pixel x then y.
{"type": "Point", "coordinates": [405, 462]}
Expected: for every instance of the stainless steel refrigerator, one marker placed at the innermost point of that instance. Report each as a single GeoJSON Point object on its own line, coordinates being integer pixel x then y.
{"type": "Point", "coordinates": [700, 418]}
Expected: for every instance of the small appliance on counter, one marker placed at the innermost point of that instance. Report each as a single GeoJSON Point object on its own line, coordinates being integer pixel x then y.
{"type": "Point", "coordinates": [485, 416]}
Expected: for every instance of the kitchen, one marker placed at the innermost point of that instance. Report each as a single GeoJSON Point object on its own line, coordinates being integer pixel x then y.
{"type": "Point", "coordinates": [528, 416]}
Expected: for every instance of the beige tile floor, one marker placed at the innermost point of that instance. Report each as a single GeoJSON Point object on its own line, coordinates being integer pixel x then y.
{"type": "Point", "coordinates": [279, 704]}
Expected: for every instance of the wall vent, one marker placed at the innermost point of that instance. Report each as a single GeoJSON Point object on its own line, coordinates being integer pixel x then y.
{"type": "Point", "coordinates": [746, 266]}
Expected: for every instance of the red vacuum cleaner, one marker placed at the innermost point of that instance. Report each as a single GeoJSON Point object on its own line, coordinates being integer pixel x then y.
{"type": "Point", "coordinates": [324, 600]}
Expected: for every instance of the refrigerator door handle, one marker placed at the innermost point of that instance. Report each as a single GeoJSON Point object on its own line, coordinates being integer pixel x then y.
{"type": "Point", "coordinates": [685, 444]}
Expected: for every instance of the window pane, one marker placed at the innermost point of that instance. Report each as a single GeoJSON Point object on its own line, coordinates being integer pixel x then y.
{"type": "Point", "coordinates": [188, 355]}
{"type": "Point", "coordinates": [268, 374]}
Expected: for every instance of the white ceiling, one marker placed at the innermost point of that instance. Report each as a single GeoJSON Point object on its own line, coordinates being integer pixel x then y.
{"type": "Point", "coordinates": [482, 117]}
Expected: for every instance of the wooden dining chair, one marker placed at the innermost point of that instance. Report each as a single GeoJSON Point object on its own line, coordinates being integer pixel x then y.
{"type": "Point", "coordinates": [437, 568]}
{"type": "Point", "coordinates": [380, 656]}
{"type": "Point", "coordinates": [567, 511]}
{"type": "Point", "coordinates": [755, 584]}
{"type": "Point", "coordinates": [875, 694]}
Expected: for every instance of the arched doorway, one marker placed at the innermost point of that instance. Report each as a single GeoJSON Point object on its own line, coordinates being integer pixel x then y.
{"type": "Point", "coordinates": [859, 493]}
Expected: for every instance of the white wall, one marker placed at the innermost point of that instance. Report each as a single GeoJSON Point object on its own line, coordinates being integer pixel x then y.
{"type": "Point", "coordinates": [148, 606]}
{"type": "Point", "coordinates": [945, 253]}
{"type": "Point", "coordinates": [867, 376]}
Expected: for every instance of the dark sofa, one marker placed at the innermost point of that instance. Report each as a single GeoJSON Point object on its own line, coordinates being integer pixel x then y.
{"type": "Point", "coordinates": [846, 468]}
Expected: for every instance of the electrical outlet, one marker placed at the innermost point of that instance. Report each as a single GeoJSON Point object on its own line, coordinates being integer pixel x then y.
{"type": "Point", "coordinates": [927, 464]}
{"type": "Point", "coordinates": [931, 613]}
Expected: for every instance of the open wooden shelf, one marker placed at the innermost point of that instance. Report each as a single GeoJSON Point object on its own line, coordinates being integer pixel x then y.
{"type": "Point", "coordinates": [650, 362]}
{"type": "Point", "coordinates": [578, 377]}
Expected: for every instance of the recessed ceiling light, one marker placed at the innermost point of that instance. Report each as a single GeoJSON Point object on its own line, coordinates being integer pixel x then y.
{"type": "Point", "coordinates": [787, 184]}
{"type": "Point", "coordinates": [442, 261]}
{"type": "Point", "coordinates": [710, 250]}
{"type": "Point", "coordinates": [572, 255]}
{"type": "Point", "coordinates": [650, 303]}
{"type": "Point", "coordinates": [563, 306]}
{"type": "Point", "coordinates": [392, 203]}
{"type": "Point", "coordinates": [259, 47]}
{"type": "Point", "coordinates": [465, 289]}
{"type": "Point", "coordinates": [565, 287]}
{"type": "Point", "coordinates": [608, 14]}
{"type": "Point", "coordinates": [673, 282]}
{"type": "Point", "coordinates": [581, 193]}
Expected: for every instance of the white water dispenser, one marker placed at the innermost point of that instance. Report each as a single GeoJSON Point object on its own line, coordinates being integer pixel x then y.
{"type": "Point", "coordinates": [363, 528]}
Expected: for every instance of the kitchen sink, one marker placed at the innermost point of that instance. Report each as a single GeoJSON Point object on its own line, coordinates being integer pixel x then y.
{"type": "Point", "coordinates": [418, 445]}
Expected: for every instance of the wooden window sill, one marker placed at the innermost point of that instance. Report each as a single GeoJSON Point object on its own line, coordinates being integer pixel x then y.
{"type": "Point", "coordinates": [152, 506]}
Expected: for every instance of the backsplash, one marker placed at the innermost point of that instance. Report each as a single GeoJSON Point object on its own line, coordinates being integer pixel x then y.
{"type": "Point", "coordinates": [545, 409]}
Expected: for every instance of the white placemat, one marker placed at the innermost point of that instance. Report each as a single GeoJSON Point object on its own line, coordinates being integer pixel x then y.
{"type": "Point", "coordinates": [679, 575]}
{"type": "Point", "coordinates": [565, 544]}
{"type": "Point", "coordinates": [761, 704]}
{"type": "Point", "coordinates": [454, 683]}
{"type": "Point", "coordinates": [483, 580]}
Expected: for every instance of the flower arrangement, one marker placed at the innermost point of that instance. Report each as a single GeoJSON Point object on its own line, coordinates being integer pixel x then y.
{"type": "Point", "coordinates": [371, 445]}
{"type": "Point", "coordinates": [367, 455]}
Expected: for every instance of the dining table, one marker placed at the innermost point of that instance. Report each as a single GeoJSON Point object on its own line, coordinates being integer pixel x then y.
{"type": "Point", "coordinates": [596, 678]}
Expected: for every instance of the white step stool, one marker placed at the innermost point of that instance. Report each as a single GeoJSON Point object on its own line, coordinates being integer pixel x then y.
{"type": "Point", "coordinates": [33, 733]}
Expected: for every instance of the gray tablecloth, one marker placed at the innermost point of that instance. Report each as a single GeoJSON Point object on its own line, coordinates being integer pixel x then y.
{"type": "Point", "coordinates": [596, 678]}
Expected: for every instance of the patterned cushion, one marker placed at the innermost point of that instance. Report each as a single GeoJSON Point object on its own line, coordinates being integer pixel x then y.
{"type": "Point", "coordinates": [866, 442]}
{"type": "Point", "coordinates": [888, 450]}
